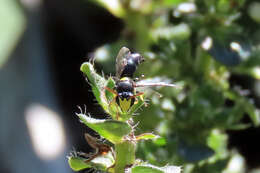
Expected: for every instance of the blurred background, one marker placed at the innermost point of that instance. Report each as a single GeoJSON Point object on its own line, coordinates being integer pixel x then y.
{"type": "Point", "coordinates": [210, 47]}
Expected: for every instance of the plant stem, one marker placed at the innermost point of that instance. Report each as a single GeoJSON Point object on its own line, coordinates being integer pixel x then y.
{"type": "Point", "coordinates": [125, 155]}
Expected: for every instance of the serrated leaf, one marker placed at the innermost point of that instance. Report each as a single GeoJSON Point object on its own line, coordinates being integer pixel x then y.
{"type": "Point", "coordinates": [147, 136]}
{"type": "Point", "coordinates": [153, 169]}
{"type": "Point", "coordinates": [97, 84]}
{"type": "Point", "coordinates": [112, 130]}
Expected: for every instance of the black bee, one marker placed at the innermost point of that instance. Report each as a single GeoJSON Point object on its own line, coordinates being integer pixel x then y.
{"type": "Point", "coordinates": [127, 63]}
{"type": "Point", "coordinates": [124, 90]}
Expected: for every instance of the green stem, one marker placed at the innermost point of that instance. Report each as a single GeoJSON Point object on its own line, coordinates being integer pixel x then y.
{"type": "Point", "coordinates": [125, 155]}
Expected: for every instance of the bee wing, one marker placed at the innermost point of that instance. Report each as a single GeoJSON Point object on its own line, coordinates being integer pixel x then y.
{"type": "Point", "coordinates": [154, 83]}
{"type": "Point", "coordinates": [121, 60]}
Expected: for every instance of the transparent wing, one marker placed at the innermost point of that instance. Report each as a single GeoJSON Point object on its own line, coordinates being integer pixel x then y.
{"type": "Point", "coordinates": [121, 60]}
{"type": "Point", "coordinates": [154, 82]}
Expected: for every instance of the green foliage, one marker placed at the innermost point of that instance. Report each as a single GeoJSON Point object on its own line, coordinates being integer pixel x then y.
{"type": "Point", "coordinates": [201, 45]}
{"type": "Point", "coordinates": [112, 130]}
{"type": "Point", "coordinates": [102, 162]}
{"type": "Point", "coordinates": [119, 130]}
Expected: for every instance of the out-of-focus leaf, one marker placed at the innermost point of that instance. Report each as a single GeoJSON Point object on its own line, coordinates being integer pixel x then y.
{"type": "Point", "coordinates": [194, 152]}
{"type": "Point", "coordinates": [253, 112]}
{"type": "Point", "coordinates": [112, 130]}
{"type": "Point", "coordinates": [254, 11]}
{"type": "Point", "coordinates": [113, 6]}
{"type": "Point", "coordinates": [224, 55]}
{"type": "Point", "coordinates": [237, 160]}
{"type": "Point", "coordinates": [147, 168]}
{"type": "Point", "coordinates": [146, 136]}
{"type": "Point", "coordinates": [239, 126]}
{"type": "Point", "coordinates": [217, 140]}
{"type": "Point", "coordinates": [160, 141]}
{"type": "Point", "coordinates": [181, 31]}
{"type": "Point", "coordinates": [12, 22]}
{"type": "Point", "coordinates": [171, 3]}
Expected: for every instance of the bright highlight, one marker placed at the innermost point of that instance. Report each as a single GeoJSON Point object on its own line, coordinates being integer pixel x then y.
{"type": "Point", "coordinates": [46, 131]}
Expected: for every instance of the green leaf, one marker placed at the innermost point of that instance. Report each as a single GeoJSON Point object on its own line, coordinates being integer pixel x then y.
{"type": "Point", "coordinates": [97, 83]}
{"type": "Point", "coordinates": [136, 106]}
{"type": "Point", "coordinates": [252, 111]}
{"type": "Point", "coordinates": [78, 163]}
{"type": "Point", "coordinates": [160, 141]}
{"type": "Point", "coordinates": [254, 114]}
{"type": "Point", "coordinates": [101, 162]}
{"type": "Point", "coordinates": [181, 32]}
{"type": "Point", "coordinates": [147, 136]}
{"type": "Point", "coordinates": [239, 126]}
{"type": "Point", "coordinates": [112, 130]}
{"type": "Point", "coordinates": [147, 168]}
{"type": "Point", "coordinates": [110, 84]}
{"type": "Point", "coordinates": [112, 108]}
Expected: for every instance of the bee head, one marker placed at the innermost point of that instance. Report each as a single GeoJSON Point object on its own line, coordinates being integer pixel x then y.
{"type": "Point", "coordinates": [125, 95]}
{"type": "Point", "coordinates": [137, 58]}
{"type": "Point", "coordinates": [125, 89]}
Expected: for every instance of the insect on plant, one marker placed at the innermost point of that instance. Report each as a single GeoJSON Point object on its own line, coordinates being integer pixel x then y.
{"type": "Point", "coordinates": [124, 90]}
{"type": "Point", "coordinates": [118, 156]}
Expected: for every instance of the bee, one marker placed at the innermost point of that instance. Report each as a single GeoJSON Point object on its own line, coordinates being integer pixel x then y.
{"type": "Point", "coordinates": [127, 63]}
{"type": "Point", "coordinates": [125, 87]}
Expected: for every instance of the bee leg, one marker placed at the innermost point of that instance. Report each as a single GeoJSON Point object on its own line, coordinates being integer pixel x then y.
{"type": "Point", "coordinates": [110, 90]}
{"type": "Point", "coordinates": [141, 97]}
{"type": "Point", "coordinates": [138, 94]}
